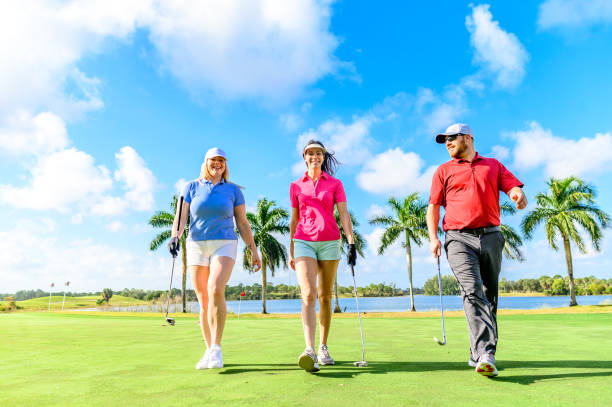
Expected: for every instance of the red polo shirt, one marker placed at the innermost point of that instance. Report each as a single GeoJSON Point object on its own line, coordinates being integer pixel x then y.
{"type": "Point", "coordinates": [469, 191]}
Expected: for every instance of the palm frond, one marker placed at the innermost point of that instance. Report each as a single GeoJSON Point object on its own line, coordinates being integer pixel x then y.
{"type": "Point", "coordinates": [160, 239]}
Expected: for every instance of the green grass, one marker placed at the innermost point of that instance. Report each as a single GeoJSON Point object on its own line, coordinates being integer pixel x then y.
{"type": "Point", "coordinates": [52, 359]}
{"type": "Point", "coordinates": [89, 301]}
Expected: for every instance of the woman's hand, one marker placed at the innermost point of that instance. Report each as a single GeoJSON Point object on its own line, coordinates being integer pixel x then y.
{"type": "Point", "coordinates": [255, 261]}
{"type": "Point", "coordinates": [291, 262]}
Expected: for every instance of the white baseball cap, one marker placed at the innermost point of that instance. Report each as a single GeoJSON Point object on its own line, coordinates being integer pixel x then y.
{"type": "Point", "coordinates": [215, 152]}
{"type": "Point", "coordinates": [457, 128]}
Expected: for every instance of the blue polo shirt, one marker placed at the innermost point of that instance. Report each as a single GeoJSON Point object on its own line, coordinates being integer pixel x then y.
{"type": "Point", "coordinates": [212, 209]}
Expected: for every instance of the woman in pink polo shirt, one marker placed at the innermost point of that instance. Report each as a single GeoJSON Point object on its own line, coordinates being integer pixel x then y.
{"type": "Point", "coordinates": [314, 251]}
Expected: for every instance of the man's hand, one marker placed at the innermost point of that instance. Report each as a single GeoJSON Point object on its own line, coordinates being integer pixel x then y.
{"type": "Point", "coordinates": [435, 246]}
{"type": "Point", "coordinates": [518, 196]}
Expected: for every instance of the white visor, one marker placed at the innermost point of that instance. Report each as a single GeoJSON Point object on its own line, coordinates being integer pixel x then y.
{"type": "Point", "coordinates": [314, 145]}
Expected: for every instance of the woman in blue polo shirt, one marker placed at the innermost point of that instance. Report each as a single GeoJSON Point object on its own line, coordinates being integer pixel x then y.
{"type": "Point", "coordinates": [213, 203]}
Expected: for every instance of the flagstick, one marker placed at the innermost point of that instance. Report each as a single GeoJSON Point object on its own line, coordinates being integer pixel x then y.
{"type": "Point", "coordinates": [49, 300]}
{"type": "Point", "coordinates": [239, 303]}
{"type": "Point", "coordinates": [66, 284]}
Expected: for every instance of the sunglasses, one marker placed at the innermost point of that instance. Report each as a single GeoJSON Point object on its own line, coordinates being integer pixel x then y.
{"type": "Point", "coordinates": [453, 137]}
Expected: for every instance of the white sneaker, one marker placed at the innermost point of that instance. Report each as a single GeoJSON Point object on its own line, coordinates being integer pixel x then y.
{"type": "Point", "coordinates": [308, 361]}
{"type": "Point", "coordinates": [471, 361]}
{"type": "Point", "coordinates": [323, 356]}
{"type": "Point", "coordinates": [215, 357]}
{"type": "Point", "coordinates": [486, 365]}
{"type": "Point", "coordinates": [203, 363]}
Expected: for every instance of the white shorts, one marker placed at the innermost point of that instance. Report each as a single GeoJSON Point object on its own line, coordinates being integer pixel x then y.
{"type": "Point", "coordinates": [199, 253]}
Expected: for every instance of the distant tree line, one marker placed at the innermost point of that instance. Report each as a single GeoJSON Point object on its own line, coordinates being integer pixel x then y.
{"type": "Point", "coordinates": [557, 285]}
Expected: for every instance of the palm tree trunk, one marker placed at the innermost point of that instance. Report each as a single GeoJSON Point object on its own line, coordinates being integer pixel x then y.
{"type": "Point", "coordinates": [264, 283]}
{"type": "Point", "coordinates": [570, 270]}
{"type": "Point", "coordinates": [337, 309]}
{"type": "Point", "coordinates": [184, 279]}
{"type": "Point", "coordinates": [409, 260]}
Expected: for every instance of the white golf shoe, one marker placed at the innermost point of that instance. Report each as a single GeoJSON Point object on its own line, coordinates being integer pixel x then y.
{"type": "Point", "coordinates": [471, 361]}
{"type": "Point", "coordinates": [215, 357]}
{"type": "Point", "coordinates": [323, 356]}
{"type": "Point", "coordinates": [203, 363]}
{"type": "Point", "coordinates": [486, 365]}
{"type": "Point", "coordinates": [308, 361]}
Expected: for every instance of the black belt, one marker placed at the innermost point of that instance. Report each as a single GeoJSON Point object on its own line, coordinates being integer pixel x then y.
{"type": "Point", "coordinates": [480, 231]}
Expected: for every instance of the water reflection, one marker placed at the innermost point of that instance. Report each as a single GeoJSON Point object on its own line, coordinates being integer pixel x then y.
{"type": "Point", "coordinates": [371, 304]}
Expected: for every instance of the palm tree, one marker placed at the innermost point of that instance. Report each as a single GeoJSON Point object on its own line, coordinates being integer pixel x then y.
{"type": "Point", "coordinates": [360, 245]}
{"type": "Point", "coordinates": [570, 202]}
{"type": "Point", "coordinates": [408, 218]}
{"type": "Point", "coordinates": [512, 248]}
{"type": "Point", "coordinates": [164, 219]}
{"type": "Point", "coordinates": [266, 220]}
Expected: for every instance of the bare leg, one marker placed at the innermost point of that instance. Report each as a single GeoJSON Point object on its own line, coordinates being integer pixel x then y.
{"type": "Point", "coordinates": [199, 279]}
{"type": "Point", "coordinates": [306, 271]}
{"type": "Point", "coordinates": [327, 275]}
{"type": "Point", "coordinates": [220, 272]}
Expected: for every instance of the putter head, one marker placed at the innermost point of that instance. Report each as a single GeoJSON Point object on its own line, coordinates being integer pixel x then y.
{"type": "Point", "coordinates": [171, 321]}
{"type": "Point", "coordinates": [439, 342]}
{"type": "Point", "coordinates": [362, 363]}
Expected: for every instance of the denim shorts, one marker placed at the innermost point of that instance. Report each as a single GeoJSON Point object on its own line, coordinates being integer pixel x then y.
{"type": "Point", "coordinates": [326, 250]}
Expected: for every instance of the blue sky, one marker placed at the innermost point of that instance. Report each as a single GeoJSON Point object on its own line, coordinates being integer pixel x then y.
{"type": "Point", "coordinates": [108, 108]}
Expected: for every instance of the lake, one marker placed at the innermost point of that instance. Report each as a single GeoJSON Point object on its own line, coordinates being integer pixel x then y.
{"type": "Point", "coordinates": [373, 304]}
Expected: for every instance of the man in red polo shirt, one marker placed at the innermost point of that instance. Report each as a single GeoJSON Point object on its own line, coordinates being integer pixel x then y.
{"type": "Point", "coordinates": [468, 188]}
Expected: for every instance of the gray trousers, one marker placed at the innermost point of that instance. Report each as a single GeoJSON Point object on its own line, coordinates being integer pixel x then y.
{"type": "Point", "coordinates": [476, 263]}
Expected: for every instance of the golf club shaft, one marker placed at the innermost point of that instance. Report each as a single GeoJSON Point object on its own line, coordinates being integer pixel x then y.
{"type": "Point", "coordinates": [170, 289]}
{"type": "Point", "coordinates": [178, 229]}
{"type": "Point", "coordinates": [441, 303]}
{"type": "Point", "coordinates": [358, 314]}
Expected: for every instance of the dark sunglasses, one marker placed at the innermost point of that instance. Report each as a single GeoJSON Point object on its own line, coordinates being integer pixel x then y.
{"type": "Point", "coordinates": [453, 137]}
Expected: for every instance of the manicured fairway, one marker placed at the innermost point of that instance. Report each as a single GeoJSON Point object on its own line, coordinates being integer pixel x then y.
{"type": "Point", "coordinates": [49, 359]}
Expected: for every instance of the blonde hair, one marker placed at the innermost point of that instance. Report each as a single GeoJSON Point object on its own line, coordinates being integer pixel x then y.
{"type": "Point", "coordinates": [205, 174]}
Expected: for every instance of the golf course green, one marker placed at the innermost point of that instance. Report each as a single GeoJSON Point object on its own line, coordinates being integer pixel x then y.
{"type": "Point", "coordinates": [79, 359]}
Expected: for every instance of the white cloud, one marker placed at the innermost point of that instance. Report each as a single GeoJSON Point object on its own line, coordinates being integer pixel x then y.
{"type": "Point", "coordinates": [500, 152]}
{"type": "Point", "coordinates": [499, 52]}
{"type": "Point", "coordinates": [538, 147]}
{"type": "Point", "coordinates": [574, 13]}
{"type": "Point", "coordinates": [69, 178]}
{"type": "Point", "coordinates": [23, 134]}
{"type": "Point", "coordinates": [59, 180]}
{"type": "Point", "coordinates": [88, 265]}
{"type": "Point", "coordinates": [180, 185]}
{"type": "Point", "coordinates": [395, 173]}
{"type": "Point", "coordinates": [375, 210]}
{"type": "Point", "coordinates": [42, 42]}
{"type": "Point", "coordinates": [350, 143]}
{"type": "Point", "coordinates": [115, 226]}
{"type": "Point", "coordinates": [264, 49]}
{"type": "Point", "coordinates": [438, 112]}
{"type": "Point", "coordinates": [290, 122]}
{"type": "Point", "coordinates": [137, 179]}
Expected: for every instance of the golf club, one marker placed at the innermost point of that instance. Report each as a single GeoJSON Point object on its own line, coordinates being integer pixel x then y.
{"type": "Point", "coordinates": [443, 342]}
{"type": "Point", "coordinates": [363, 362]}
{"type": "Point", "coordinates": [171, 321]}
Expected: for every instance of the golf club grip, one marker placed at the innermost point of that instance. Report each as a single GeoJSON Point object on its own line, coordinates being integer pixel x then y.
{"type": "Point", "coordinates": [180, 212]}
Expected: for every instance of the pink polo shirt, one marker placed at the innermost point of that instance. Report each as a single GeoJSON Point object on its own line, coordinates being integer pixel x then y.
{"type": "Point", "coordinates": [315, 204]}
